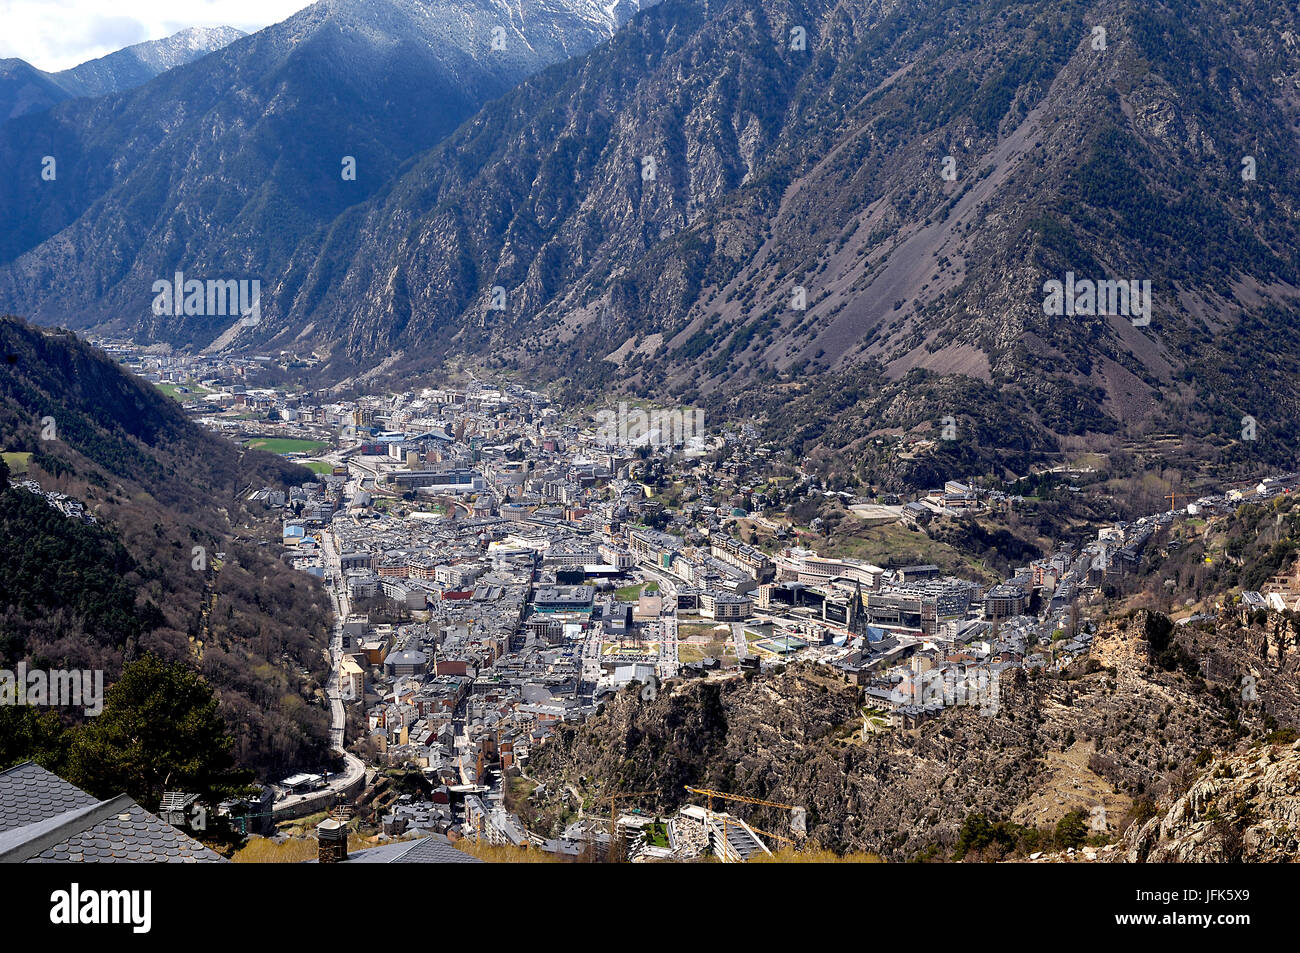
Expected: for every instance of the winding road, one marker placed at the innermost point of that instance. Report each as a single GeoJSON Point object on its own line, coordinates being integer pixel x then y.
{"type": "Point", "coordinates": [338, 716]}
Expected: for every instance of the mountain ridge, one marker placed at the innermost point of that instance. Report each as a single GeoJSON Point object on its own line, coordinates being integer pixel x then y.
{"type": "Point", "coordinates": [224, 165]}
{"type": "Point", "coordinates": [651, 210]}
{"type": "Point", "coordinates": [25, 88]}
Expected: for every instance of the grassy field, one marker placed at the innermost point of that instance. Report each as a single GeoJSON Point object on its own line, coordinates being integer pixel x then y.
{"type": "Point", "coordinates": [815, 855]}
{"type": "Point", "coordinates": [318, 466]}
{"type": "Point", "coordinates": [630, 593]}
{"type": "Point", "coordinates": [505, 855]}
{"type": "Point", "coordinates": [17, 462]}
{"type": "Point", "coordinates": [174, 391]}
{"type": "Point", "coordinates": [628, 648]}
{"type": "Point", "coordinates": [286, 445]}
{"type": "Point", "coordinates": [894, 544]}
{"type": "Point", "coordinates": [263, 850]}
{"type": "Point", "coordinates": [891, 544]}
{"type": "Point", "coordinates": [694, 652]}
{"type": "Point", "coordinates": [712, 630]}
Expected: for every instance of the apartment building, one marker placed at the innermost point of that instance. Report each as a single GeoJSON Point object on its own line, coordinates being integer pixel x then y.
{"type": "Point", "coordinates": [654, 547]}
{"type": "Point", "coordinates": [743, 556]}
{"type": "Point", "coordinates": [725, 606]}
{"type": "Point", "coordinates": [804, 565]}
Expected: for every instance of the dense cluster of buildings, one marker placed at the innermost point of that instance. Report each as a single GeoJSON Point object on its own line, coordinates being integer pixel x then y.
{"type": "Point", "coordinates": [505, 566]}
{"type": "Point", "coordinates": [505, 569]}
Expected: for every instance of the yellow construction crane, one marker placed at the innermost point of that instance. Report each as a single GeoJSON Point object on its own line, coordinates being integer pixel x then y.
{"type": "Point", "coordinates": [779, 837]}
{"type": "Point", "coordinates": [613, 811]}
{"type": "Point", "coordinates": [736, 797]}
{"type": "Point", "coordinates": [745, 800]}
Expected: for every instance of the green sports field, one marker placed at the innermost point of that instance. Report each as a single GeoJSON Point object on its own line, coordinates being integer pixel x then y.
{"type": "Point", "coordinates": [286, 445]}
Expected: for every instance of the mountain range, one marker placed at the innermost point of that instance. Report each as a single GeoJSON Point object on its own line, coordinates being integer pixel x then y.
{"type": "Point", "coordinates": [225, 166]}
{"type": "Point", "coordinates": [26, 89]}
{"type": "Point", "coordinates": [761, 205]}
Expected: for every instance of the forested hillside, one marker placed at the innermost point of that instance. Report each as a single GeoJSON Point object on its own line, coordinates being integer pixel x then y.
{"type": "Point", "coordinates": [174, 562]}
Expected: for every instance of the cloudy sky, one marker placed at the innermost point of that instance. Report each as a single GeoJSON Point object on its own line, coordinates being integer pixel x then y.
{"type": "Point", "coordinates": [57, 34]}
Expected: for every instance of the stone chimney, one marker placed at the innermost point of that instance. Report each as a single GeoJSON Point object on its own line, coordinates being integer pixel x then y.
{"type": "Point", "coordinates": [332, 838]}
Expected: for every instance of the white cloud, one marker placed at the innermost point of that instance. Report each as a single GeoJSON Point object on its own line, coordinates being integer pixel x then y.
{"type": "Point", "coordinates": [56, 34]}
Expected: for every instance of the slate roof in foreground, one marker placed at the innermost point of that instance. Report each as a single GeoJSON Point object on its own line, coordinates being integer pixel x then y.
{"type": "Point", "coordinates": [44, 819]}
{"type": "Point", "coordinates": [432, 849]}
{"type": "Point", "coordinates": [29, 793]}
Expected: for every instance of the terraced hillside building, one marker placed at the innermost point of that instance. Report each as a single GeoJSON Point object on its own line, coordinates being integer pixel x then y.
{"type": "Point", "coordinates": [743, 556]}
{"type": "Point", "coordinates": [803, 565]}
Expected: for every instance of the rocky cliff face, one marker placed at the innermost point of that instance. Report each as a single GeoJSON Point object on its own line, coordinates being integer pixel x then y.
{"type": "Point", "coordinates": [1129, 727]}
{"type": "Point", "coordinates": [1245, 807]}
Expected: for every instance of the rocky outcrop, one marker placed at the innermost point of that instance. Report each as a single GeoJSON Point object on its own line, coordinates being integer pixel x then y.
{"type": "Point", "coordinates": [1097, 739]}
{"type": "Point", "coordinates": [796, 738]}
{"type": "Point", "coordinates": [1245, 807]}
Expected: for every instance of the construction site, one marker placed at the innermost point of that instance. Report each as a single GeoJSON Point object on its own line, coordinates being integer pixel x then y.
{"type": "Point", "coordinates": [630, 833]}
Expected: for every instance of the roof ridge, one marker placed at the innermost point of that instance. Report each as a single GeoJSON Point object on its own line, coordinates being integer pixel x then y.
{"type": "Point", "coordinates": [55, 830]}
